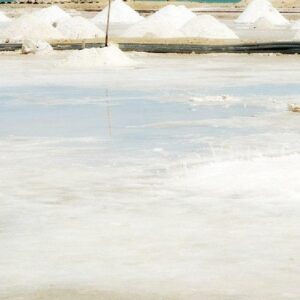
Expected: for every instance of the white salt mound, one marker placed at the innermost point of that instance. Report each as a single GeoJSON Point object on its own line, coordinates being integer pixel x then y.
{"type": "Point", "coordinates": [207, 27]}
{"type": "Point", "coordinates": [51, 14]}
{"type": "Point", "coordinates": [120, 13]}
{"type": "Point", "coordinates": [110, 56]}
{"type": "Point", "coordinates": [176, 15]}
{"type": "Point", "coordinates": [31, 28]}
{"type": "Point", "coordinates": [3, 17]}
{"type": "Point", "coordinates": [36, 47]}
{"type": "Point", "coordinates": [153, 27]}
{"type": "Point", "coordinates": [261, 9]}
{"type": "Point", "coordinates": [297, 36]}
{"type": "Point", "coordinates": [79, 28]}
{"type": "Point", "coordinates": [296, 25]}
{"type": "Point", "coordinates": [263, 24]}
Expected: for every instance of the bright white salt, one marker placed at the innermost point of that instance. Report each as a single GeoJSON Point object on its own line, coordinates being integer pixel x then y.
{"type": "Point", "coordinates": [262, 9]}
{"type": "Point", "coordinates": [297, 36]}
{"type": "Point", "coordinates": [207, 27]}
{"type": "Point", "coordinates": [296, 25]}
{"type": "Point", "coordinates": [120, 13]}
{"type": "Point", "coordinates": [51, 14]}
{"type": "Point", "coordinates": [36, 47]}
{"type": "Point", "coordinates": [29, 27]}
{"type": "Point", "coordinates": [176, 15]}
{"type": "Point", "coordinates": [263, 24]}
{"type": "Point", "coordinates": [3, 17]}
{"type": "Point", "coordinates": [153, 27]}
{"type": "Point", "coordinates": [110, 56]}
{"type": "Point", "coordinates": [79, 28]}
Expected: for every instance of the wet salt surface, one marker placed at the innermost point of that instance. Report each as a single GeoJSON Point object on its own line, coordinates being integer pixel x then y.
{"type": "Point", "coordinates": [129, 184]}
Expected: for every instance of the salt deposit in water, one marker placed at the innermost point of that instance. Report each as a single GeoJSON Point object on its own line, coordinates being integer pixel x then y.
{"type": "Point", "coordinates": [212, 100]}
{"type": "Point", "coordinates": [51, 14]}
{"type": "Point", "coordinates": [153, 27]}
{"type": "Point", "coordinates": [120, 13]}
{"type": "Point", "coordinates": [262, 9]}
{"type": "Point", "coordinates": [29, 27]}
{"type": "Point", "coordinates": [79, 28]}
{"type": "Point", "coordinates": [176, 15]}
{"type": "Point", "coordinates": [110, 56]}
{"type": "Point", "coordinates": [208, 27]}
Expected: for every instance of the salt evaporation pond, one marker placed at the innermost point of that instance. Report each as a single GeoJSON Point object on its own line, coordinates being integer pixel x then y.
{"type": "Point", "coordinates": [176, 178]}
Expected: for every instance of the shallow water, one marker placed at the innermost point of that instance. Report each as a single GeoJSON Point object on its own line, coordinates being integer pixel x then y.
{"type": "Point", "coordinates": [175, 179]}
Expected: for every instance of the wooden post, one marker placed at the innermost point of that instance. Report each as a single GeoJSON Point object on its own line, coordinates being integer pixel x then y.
{"type": "Point", "coordinates": [107, 23]}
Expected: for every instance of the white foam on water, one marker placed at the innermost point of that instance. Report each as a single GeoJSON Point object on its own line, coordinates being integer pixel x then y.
{"type": "Point", "coordinates": [208, 27]}
{"type": "Point", "coordinates": [262, 9]}
{"type": "Point", "coordinates": [176, 15]}
{"type": "Point", "coordinates": [29, 27]}
{"type": "Point", "coordinates": [153, 27]}
{"type": "Point", "coordinates": [51, 14]}
{"type": "Point", "coordinates": [79, 28]}
{"type": "Point", "coordinates": [120, 13]}
{"type": "Point", "coordinates": [110, 56]}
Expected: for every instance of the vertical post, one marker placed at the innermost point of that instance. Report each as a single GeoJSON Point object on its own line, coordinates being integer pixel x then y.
{"type": "Point", "coordinates": [107, 23]}
{"type": "Point", "coordinates": [108, 112]}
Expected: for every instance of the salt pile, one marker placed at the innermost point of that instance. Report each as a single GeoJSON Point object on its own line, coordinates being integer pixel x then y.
{"type": "Point", "coordinates": [263, 24]}
{"type": "Point", "coordinates": [110, 56]}
{"type": "Point", "coordinates": [78, 28]}
{"type": "Point", "coordinates": [51, 14]}
{"type": "Point", "coordinates": [262, 9]}
{"type": "Point", "coordinates": [120, 13]}
{"type": "Point", "coordinates": [176, 15]}
{"type": "Point", "coordinates": [3, 17]}
{"type": "Point", "coordinates": [36, 47]}
{"type": "Point", "coordinates": [296, 25]}
{"type": "Point", "coordinates": [297, 36]}
{"type": "Point", "coordinates": [29, 27]}
{"type": "Point", "coordinates": [153, 27]}
{"type": "Point", "coordinates": [208, 27]}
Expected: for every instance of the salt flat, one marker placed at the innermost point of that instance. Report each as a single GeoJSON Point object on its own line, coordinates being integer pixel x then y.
{"type": "Point", "coordinates": [176, 178]}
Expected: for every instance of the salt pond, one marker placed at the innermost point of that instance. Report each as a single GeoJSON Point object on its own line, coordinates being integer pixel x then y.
{"type": "Point", "coordinates": [176, 178]}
